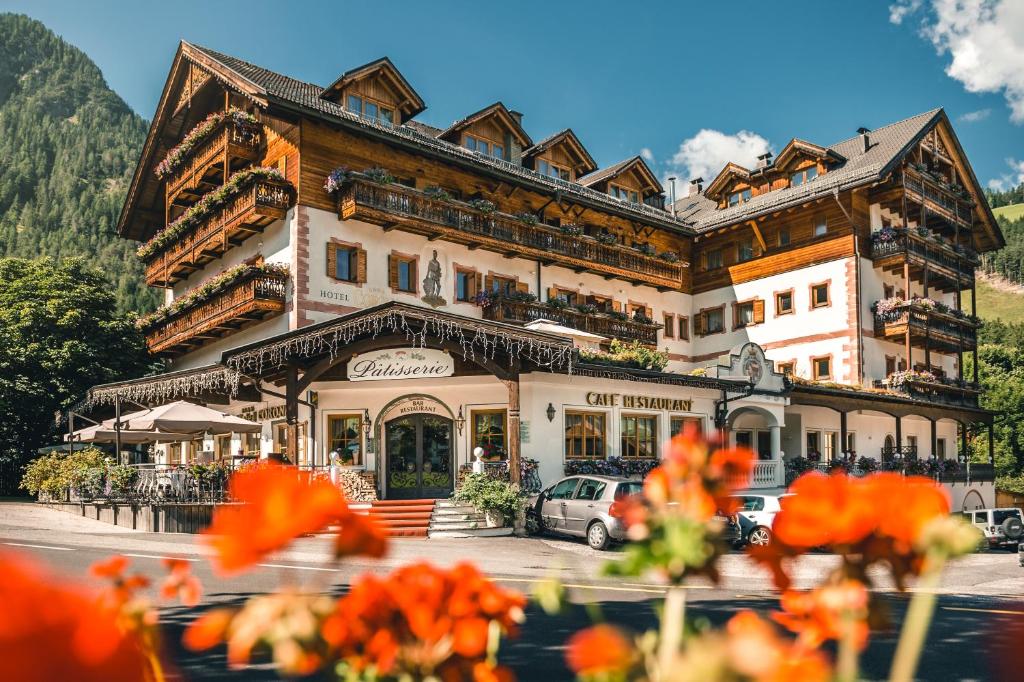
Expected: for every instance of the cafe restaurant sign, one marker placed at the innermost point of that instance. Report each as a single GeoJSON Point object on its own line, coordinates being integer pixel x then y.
{"type": "Point", "coordinates": [401, 363]}
{"type": "Point", "coordinates": [638, 402]}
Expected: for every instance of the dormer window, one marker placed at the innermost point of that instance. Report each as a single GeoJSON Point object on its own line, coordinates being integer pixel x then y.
{"type": "Point", "coordinates": [485, 147]}
{"type": "Point", "coordinates": [741, 197]}
{"type": "Point", "coordinates": [551, 170]}
{"type": "Point", "coordinates": [630, 195]}
{"type": "Point", "coordinates": [803, 175]}
{"type": "Point", "coordinates": [369, 109]}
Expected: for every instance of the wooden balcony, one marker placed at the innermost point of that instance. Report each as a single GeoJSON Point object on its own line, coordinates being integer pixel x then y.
{"type": "Point", "coordinates": [948, 269]}
{"type": "Point", "coordinates": [963, 394]}
{"type": "Point", "coordinates": [239, 305]}
{"type": "Point", "coordinates": [937, 331]}
{"type": "Point", "coordinates": [250, 212]}
{"type": "Point", "coordinates": [506, 310]}
{"type": "Point", "coordinates": [227, 150]}
{"type": "Point", "coordinates": [397, 207]}
{"type": "Point", "coordinates": [942, 203]}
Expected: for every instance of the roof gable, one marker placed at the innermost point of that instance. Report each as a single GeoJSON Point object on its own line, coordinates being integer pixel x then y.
{"type": "Point", "coordinates": [409, 101]}
{"type": "Point", "coordinates": [497, 111]}
{"type": "Point", "coordinates": [635, 164]}
{"type": "Point", "coordinates": [566, 139]}
{"type": "Point", "coordinates": [797, 149]}
{"type": "Point", "coordinates": [724, 177]}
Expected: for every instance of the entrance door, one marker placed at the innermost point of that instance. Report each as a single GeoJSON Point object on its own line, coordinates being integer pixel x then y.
{"type": "Point", "coordinates": [419, 457]}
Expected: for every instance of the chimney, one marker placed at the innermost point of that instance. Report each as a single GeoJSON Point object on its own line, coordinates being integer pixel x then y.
{"type": "Point", "coordinates": [672, 194]}
{"type": "Point", "coordinates": [696, 187]}
{"type": "Point", "coordinates": [764, 160]}
{"type": "Point", "coordinates": [517, 115]}
{"type": "Point", "coordinates": [865, 141]}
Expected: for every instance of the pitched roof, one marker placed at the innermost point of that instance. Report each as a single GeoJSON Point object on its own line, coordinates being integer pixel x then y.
{"type": "Point", "coordinates": [618, 169]}
{"type": "Point", "coordinates": [413, 103]}
{"type": "Point", "coordinates": [888, 145]}
{"type": "Point", "coordinates": [569, 137]}
{"type": "Point", "coordinates": [497, 109]}
{"type": "Point", "coordinates": [267, 87]}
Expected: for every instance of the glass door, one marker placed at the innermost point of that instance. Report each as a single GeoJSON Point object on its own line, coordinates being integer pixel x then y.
{"type": "Point", "coordinates": [419, 457]}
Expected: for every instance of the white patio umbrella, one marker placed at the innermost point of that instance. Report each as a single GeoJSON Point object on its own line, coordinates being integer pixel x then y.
{"type": "Point", "coordinates": [105, 433]}
{"type": "Point", "coordinates": [185, 417]}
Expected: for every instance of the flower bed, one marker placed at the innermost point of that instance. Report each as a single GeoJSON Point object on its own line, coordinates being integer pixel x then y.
{"type": "Point", "coordinates": [613, 466]}
{"type": "Point", "coordinates": [632, 355]}
{"type": "Point", "coordinates": [195, 137]}
{"type": "Point", "coordinates": [210, 202]}
{"type": "Point", "coordinates": [208, 289]}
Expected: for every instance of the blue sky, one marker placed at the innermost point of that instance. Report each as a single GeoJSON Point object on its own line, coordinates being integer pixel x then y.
{"type": "Point", "coordinates": [626, 77]}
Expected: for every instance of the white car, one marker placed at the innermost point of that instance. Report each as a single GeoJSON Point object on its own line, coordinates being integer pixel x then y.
{"type": "Point", "coordinates": [1003, 526]}
{"type": "Point", "coordinates": [757, 515]}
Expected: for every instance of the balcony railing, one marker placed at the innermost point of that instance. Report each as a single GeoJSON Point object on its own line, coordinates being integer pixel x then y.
{"type": "Point", "coordinates": [943, 260]}
{"type": "Point", "coordinates": [248, 213]}
{"type": "Point", "coordinates": [940, 201]}
{"type": "Point", "coordinates": [393, 205]}
{"type": "Point", "coordinates": [503, 310]}
{"type": "Point", "coordinates": [936, 330]}
{"type": "Point", "coordinates": [957, 394]}
{"type": "Point", "coordinates": [234, 144]}
{"type": "Point", "coordinates": [224, 313]}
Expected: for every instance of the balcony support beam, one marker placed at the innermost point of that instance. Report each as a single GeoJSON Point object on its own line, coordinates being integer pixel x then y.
{"type": "Point", "coordinates": [935, 439]}
{"type": "Point", "coordinates": [842, 433]}
{"type": "Point", "coordinates": [514, 455]}
{"type": "Point", "coordinates": [899, 433]}
{"type": "Point", "coordinates": [291, 410]}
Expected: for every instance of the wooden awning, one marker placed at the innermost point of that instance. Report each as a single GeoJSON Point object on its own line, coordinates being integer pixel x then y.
{"type": "Point", "coordinates": [850, 400]}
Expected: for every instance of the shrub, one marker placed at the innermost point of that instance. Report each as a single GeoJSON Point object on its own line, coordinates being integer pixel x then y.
{"type": "Point", "coordinates": [634, 354]}
{"type": "Point", "coordinates": [867, 464]}
{"type": "Point", "coordinates": [122, 480]}
{"type": "Point", "coordinates": [488, 494]}
{"type": "Point", "coordinates": [43, 475]}
{"type": "Point", "coordinates": [613, 466]}
{"type": "Point", "coordinates": [58, 472]}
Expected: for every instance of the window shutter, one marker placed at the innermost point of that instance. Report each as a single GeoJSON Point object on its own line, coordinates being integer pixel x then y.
{"type": "Point", "coordinates": [392, 271]}
{"type": "Point", "coordinates": [617, 306]}
{"type": "Point", "coordinates": [699, 324]}
{"type": "Point", "coordinates": [590, 299]}
{"type": "Point", "coordinates": [361, 266]}
{"type": "Point", "coordinates": [489, 283]}
{"type": "Point", "coordinates": [332, 260]}
{"type": "Point", "coordinates": [478, 283]}
{"type": "Point", "coordinates": [735, 315]}
{"type": "Point", "coordinates": [684, 328]}
{"type": "Point", "coordinates": [552, 293]}
{"type": "Point", "coordinates": [758, 311]}
{"type": "Point", "coordinates": [523, 287]}
{"type": "Point", "coordinates": [414, 280]}
{"type": "Point", "coordinates": [648, 312]}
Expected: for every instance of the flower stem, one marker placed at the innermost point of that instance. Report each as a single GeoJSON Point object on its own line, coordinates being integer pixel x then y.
{"type": "Point", "coordinates": [846, 665]}
{"type": "Point", "coordinates": [915, 624]}
{"type": "Point", "coordinates": [673, 618]}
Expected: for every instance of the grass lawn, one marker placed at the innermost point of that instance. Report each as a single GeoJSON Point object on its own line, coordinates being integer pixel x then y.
{"type": "Point", "coordinates": [995, 303]}
{"type": "Point", "coordinates": [1011, 212]}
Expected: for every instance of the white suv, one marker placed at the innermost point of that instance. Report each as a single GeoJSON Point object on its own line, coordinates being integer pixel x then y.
{"type": "Point", "coordinates": [1003, 526]}
{"type": "Point", "coordinates": [756, 516]}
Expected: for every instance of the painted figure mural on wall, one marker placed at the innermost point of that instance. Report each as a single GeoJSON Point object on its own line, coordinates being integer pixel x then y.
{"type": "Point", "coordinates": [432, 284]}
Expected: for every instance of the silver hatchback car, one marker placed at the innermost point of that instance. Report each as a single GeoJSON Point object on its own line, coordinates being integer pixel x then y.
{"type": "Point", "coordinates": [584, 506]}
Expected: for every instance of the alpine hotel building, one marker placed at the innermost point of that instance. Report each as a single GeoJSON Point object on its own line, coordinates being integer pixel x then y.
{"type": "Point", "coordinates": [368, 285]}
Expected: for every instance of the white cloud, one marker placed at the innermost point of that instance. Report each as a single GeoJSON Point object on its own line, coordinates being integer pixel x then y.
{"type": "Point", "coordinates": [984, 38]}
{"type": "Point", "coordinates": [901, 9]}
{"type": "Point", "coordinates": [706, 153]}
{"type": "Point", "coordinates": [1009, 180]}
{"type": "Point", "coordinates": [647, 155]}
{"type": "Point", "coordinates": [975, 116]}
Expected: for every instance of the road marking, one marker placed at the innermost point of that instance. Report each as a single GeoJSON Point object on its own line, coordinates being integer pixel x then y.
{"type": "Point", "coordinates": [162, 558]}
{"type": "Point", "coordinates": [300, 568]}
{"type": "Point", "coordinates": [1004, 612]}
{"type": "Point", "coordinates": [610, 588]}
{"type": "Point", "coordinates": [60, 549]}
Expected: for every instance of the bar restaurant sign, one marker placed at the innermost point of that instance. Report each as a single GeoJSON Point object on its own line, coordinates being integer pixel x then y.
{"type": "Point", "coordinates": [401, 363]}
{"type": "Point", "coordinates": [638, 402]}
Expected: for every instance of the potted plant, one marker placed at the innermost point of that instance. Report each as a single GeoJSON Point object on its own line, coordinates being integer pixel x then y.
{"type": "Point", "coordinates": [336, 179]}
{"type": "Point", "coordinates": [438, 193]}
{"type": "Point", "coordinates": [526, 218]}
{"type": "Point", "coordinates": [499, 501]}
{"type": "Point", "coordinates": [379, 175]}
{"type": "Point", "coordinates": [572, 230]}
{"type": "Point", "coordinates": [607, 238]}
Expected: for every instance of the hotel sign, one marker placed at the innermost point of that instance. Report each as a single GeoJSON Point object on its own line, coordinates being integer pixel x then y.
{"type": "Point", "coordinates": [638, 402]}
{"type": "Point", "coordinates": [401, 363]}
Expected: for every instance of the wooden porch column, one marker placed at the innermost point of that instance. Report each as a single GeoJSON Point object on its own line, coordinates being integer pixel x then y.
{"type": "Point", "coordinates": [935, 439]}
{"type": "Point", "coordinates": [899, 435]}
{"type": "Point", "coordinates": [906, 297]}
{"type": "Point", "coordinates": [291, 412]}
{"type": "Point", "coordinates": [842, 433]}
{"type": "Point", "coordinates": [514, 455]}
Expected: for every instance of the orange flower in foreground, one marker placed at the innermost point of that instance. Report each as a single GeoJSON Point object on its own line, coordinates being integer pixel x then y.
{"type": "Point", "coordinates": [360, 535]}
{"type": "Point", "coordinates": [53, 631]}
{"type": "Point", "coordinates": [757, 651]}
{"type": "Point", "coordinates": [421, 618]}
{"type": "Point", "coordinates": [601, 649]}
{"type": "Point", "coordinates": [278, 504]}
{"type": "Point", "coordinates": [826, 510]}
{"type": "Point", "coordinates": [823, 613]}
{"type": "Point", "coordinates": [181, 583]}
{"type": "Point", "coordinates": [209, 630]}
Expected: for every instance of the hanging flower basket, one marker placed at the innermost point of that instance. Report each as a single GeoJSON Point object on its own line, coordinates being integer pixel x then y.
{"type": "Point", "coordinates": [336, 179]}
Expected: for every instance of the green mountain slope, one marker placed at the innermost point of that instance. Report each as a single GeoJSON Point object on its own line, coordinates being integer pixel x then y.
{"type": "Point", "coordinates": [1010, 213]}
{"type": "Point", "coordinates": [68, 145]}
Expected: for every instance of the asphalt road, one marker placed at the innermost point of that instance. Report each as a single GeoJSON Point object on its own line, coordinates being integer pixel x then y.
{"type": "Point", "coordinates": [978, 595]}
